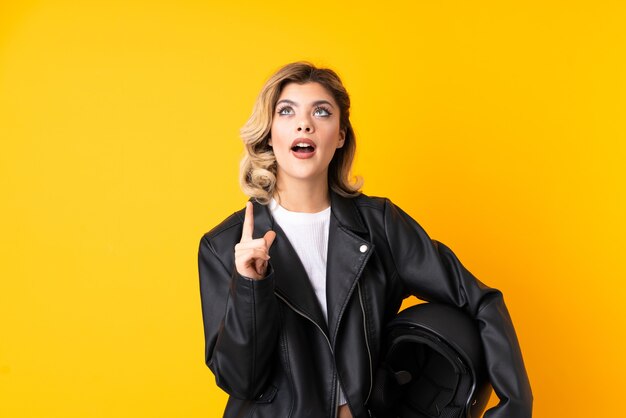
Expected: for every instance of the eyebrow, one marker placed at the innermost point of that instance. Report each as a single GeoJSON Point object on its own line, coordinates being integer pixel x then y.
{"type": "Point", "coordinates": [315, 103]}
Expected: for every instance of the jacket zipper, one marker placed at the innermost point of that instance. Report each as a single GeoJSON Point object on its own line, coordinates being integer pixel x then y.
{"type": "Point", "coordinates": [325, 336]}
{"type": "Point", "coordinates": [369, 353]}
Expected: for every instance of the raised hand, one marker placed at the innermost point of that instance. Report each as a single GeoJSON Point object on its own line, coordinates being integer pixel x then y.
{"type": "Point", "coordinates": [251, 255]}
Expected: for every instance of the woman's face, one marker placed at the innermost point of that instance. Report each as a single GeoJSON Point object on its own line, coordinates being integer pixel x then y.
{"type": "Point", "coordinates": [305, 132]}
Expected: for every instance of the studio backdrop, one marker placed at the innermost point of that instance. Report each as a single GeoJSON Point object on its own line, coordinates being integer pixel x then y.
{"type": "Point", "coordinates": [499, 126]}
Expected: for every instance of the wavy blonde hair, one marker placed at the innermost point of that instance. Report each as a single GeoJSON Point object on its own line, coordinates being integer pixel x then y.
{"type": "Point", "coordinates": [257, 171]}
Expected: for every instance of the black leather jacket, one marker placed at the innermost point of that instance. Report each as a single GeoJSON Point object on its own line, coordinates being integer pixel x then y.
{"type": "Point", "coordinates": [267, 341]}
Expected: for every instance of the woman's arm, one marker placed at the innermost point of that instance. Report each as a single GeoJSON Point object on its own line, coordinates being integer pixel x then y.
{"type": "Point", "coordinates": [431, 271]}
{"type": "Point", "coordinates": [240, 318]}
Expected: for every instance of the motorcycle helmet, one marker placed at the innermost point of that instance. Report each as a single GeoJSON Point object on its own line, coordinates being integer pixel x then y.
{"type": "Point", "coordinates": [432, 366]}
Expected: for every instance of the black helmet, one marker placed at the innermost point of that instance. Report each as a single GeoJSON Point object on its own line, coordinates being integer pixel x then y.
{"type": "Point", "coordinates": [432, 366]}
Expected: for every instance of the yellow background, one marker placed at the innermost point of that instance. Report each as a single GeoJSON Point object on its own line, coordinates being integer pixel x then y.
{"type": "Point", "coordinates": [499, 126]}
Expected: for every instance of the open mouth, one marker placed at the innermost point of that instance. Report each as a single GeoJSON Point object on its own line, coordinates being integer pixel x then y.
{"type": "Point", "coordinates": [302, 148]}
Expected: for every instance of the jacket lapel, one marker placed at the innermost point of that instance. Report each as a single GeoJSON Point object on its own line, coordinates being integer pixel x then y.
{"type": "Point", "coordinates": [347, 254]}
{"type": "Point", "coordinates": [290, 278]}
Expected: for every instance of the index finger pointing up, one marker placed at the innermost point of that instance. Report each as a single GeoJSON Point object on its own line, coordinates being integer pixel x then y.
{"type": "Point", "coordinates": [248, 223]}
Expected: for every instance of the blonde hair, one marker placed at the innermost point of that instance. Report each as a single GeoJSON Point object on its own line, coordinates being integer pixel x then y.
{"type": "Point", "coordinates": [257, 171]}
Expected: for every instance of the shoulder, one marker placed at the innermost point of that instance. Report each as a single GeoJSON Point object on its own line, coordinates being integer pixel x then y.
{"type": "Point", "coordinates": [367, 202]}
{"type": "Point", "coordinates": [224, 235]}
{"type": "Point", "coordinates": [381, 209]}
{"type": "Point", "coordinates": [379, 206]}
{"type": "Point", "coordinates": [373, 212]}
{"type": "Point", "coordinates": [231, 222]}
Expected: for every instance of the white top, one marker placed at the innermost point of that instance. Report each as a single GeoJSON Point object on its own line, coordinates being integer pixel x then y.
{"type": "Point", "coordinates": [308, 235]}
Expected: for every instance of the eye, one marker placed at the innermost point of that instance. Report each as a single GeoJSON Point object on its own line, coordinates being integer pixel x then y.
{"type": "Point", "coordinates": [280, 110]}
{"type": "Point", "coordinates": [322, 111]}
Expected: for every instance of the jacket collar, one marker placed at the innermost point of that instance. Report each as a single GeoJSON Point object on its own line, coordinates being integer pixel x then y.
{"type": "Point", "coordinates": [346, 212]}
{"type": "Point", "coordinates": [342, 208]}
{"type": "Point", "coordinates": [347, 252]}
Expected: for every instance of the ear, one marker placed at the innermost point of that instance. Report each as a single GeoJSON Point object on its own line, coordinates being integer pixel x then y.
{"type": "Point", "coordinates": [342, 138]}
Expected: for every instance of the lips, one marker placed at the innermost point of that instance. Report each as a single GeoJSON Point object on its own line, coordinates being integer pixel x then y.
{"type": "Point", "coordinates": [303, 148]}
{"type": "Point", "coordinates": [303, 144]}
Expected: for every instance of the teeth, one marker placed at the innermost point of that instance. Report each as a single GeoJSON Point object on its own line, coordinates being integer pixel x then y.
{"type": "Point", "coordinates": [303, 145]}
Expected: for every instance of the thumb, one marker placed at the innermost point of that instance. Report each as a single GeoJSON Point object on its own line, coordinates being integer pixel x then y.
{"type": "Point", "coordinates": [269, 238]}
{"type": "Point", "coordinates": [260, 266]}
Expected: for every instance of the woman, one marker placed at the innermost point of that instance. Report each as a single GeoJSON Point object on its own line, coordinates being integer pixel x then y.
{"type": "Point", "coordinates": [297, 287]}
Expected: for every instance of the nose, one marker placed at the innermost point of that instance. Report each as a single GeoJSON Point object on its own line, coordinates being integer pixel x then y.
{"type": "Point", "coordinates": [305, 126]}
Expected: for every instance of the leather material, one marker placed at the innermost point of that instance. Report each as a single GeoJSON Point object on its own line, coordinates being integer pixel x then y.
{"type": "Point", "coordinates": [269, 335]}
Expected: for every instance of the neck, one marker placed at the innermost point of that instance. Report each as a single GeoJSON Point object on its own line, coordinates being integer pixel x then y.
{"type": "Point", "coordinates": [302, 196]}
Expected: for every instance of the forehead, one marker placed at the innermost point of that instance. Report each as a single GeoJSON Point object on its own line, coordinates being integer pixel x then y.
{"type": "Point", "coordinates": [306, 93]}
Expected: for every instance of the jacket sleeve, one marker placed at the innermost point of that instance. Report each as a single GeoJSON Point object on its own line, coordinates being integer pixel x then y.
{"type": "Point", "coordinates": [430, 270]}
{"type": "Point", "coordinates": [240, 317]}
